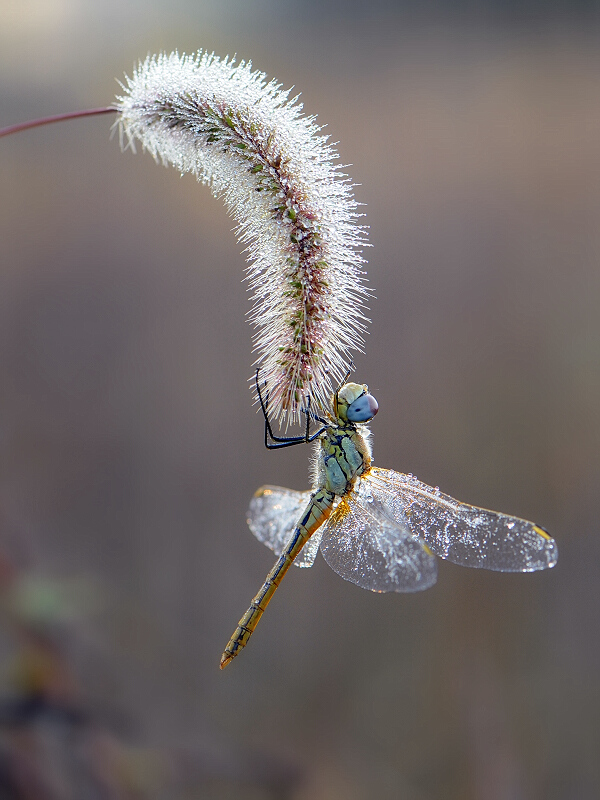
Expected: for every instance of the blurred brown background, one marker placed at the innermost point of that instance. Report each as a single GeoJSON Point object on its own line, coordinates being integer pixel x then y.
{"type": "Point", "coordinates": [130, 447]}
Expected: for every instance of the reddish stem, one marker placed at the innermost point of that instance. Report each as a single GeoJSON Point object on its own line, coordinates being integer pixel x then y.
{"type": "Point", "coordinates": [36, 123]}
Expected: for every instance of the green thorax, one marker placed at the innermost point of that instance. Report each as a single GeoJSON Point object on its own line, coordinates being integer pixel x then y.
{"type": "Point", "coordinates": [344, 455]}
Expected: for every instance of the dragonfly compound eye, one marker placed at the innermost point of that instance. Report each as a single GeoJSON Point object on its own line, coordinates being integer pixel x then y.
{"type": "Point", "coordinates": [362, 409]}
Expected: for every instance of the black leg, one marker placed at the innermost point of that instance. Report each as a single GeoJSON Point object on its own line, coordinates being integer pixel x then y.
{"type": "Point", "coordinates": [284, 441]}
{"type": "Point", "coordinates": [306, 435]}
{"type": "Point", "coordinates": [316, 417]}
{"type": "Point", "coordinates": [351, 368]}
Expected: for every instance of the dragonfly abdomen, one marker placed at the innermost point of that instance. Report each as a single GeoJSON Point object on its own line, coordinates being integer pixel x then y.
{"type": "Point", "coordinates": [315, 514]}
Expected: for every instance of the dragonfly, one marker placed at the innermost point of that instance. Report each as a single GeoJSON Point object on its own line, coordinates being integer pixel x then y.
{"type": "Point", "coordinates": [377, 528]}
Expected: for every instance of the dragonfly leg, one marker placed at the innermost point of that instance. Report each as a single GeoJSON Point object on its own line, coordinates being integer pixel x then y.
{"type": "Point", "coordinates": [351, 369]}
{"type": "Point", "coordinates": [317, 511]}
{"type": "Point", "coordinates": [273, 442]}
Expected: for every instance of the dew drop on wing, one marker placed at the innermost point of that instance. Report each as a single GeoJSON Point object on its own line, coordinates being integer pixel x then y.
{"type": "Point", "coordinates": [465, 534]}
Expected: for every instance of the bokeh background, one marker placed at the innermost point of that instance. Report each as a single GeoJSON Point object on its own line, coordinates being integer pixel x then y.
{"type": "Point", "coordinates": [129, 447]}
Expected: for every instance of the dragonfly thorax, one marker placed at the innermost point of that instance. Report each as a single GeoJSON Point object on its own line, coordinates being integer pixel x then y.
{"type": "Point", "coordinates": [343, 457]}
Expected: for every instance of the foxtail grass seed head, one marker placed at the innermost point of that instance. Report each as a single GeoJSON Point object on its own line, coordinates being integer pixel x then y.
{"type": "Point", "coordinates": [295, 210]}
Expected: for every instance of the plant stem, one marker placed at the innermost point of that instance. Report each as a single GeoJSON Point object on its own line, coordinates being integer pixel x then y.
{"type": "Point", "coordinates": [36, 123]}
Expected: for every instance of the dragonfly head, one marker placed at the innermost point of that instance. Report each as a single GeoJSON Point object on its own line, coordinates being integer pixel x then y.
{"type": "Point", "coordinates": [353, 403]}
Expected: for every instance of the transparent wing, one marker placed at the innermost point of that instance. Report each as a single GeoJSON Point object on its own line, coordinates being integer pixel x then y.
{"type": "Point", "coordinates": [375, 552]}
{"type": "Point", "coordinates": [464, 534]}
{"type": "Point", "coordinates": [272, 517]}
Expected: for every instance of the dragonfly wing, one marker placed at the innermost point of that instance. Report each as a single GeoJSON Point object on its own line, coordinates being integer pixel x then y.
{"type": "Point", "coordinates": [375, 552]}
{"type": "Point", "coordinates": [464, 534]}
{"type": "Point", "coordinates": [272, 517]}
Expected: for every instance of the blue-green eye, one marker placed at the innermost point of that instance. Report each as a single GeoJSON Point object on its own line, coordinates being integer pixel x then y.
{"type": "Point", "coordinates": [362, 409]}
